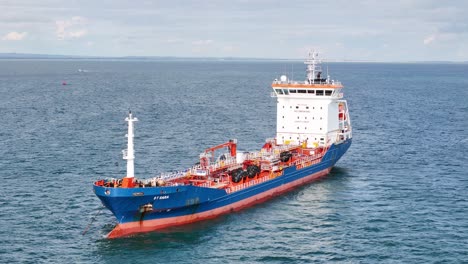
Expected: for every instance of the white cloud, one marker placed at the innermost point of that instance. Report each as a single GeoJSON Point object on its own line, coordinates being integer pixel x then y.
{"type": "Point", "coordinates": [15, 36]}
{"type": "Point", "coordinates": [166, 28]}
{"type": "Point", "coordinates": [201, 46]}
{"type": "Point", "coordinates": [429, 39]}
{"type": "Point", "coordinates": [78, 34]}
{"type": "Point", "coordinates": [71, 28]}
{"type": "Point", "coordinates": [202, 42]}
{"type": "Point", "coordinates": [441, 37]}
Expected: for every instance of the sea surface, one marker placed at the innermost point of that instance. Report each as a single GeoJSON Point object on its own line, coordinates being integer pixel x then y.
{"type": "Point", "coordinates": [399, 195]}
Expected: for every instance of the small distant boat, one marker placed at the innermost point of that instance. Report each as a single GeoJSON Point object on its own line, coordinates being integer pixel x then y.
{"type": "Point", "coordinates": [64, 83]}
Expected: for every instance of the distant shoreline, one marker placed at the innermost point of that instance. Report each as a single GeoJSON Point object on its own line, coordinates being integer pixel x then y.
{"type": "Point", "coordinates": [26, 56]}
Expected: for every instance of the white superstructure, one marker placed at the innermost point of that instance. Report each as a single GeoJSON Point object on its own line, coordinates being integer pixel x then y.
{"type": "Point", "coordinates": [311, 112]}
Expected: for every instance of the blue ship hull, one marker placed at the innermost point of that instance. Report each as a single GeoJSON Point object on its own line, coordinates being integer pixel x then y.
{"type": "Point", "coordinates": [147, 209]}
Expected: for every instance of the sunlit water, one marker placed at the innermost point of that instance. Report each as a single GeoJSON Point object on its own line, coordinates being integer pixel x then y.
{"type": "Point", "coordinates": [400, 194]}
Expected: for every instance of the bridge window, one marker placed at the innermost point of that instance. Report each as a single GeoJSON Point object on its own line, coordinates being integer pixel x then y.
{"type": "Point", "coordinates": [279, 91]}
{"type": "Point", "coordinates": [319, 93]}
{"type": "Point", "coordinates": [311, 91]}
{"type": "Point", "coordinates": [301, 91]}
{"type": "Point", "coordinates": [292, 91]}
{"type": "Point", "coordinates": [286, 92]}
{"type": "Point", "coordinates": [328, 92]}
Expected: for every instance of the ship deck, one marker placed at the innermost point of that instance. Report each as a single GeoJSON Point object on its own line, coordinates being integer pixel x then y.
{"type": "Point", "coordinates": [219, 175]}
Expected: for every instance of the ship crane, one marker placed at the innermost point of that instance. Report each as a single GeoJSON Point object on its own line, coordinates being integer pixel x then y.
{"type": "Point", "coordinates": [208, 155]}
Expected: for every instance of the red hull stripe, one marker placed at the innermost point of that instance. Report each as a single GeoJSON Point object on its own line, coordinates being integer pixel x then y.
{"type": "Point", "coordinates": [127, 229]}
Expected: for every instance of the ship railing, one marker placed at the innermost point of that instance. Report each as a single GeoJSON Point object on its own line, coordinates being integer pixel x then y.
{"type": "Point", "coordinates": [213, 167]}
{"type": "Point", "coordinates": [347, 135]}
{"type": "Point", "coordinates": [247, 184]}
{"type": "Point", "coordinates": [285, 148]}
{"type": "Point", "coordinates": [263, 154]}
{"type": "Point", "coordinates": [344, 135]}
{"type": "Point", "coordinates": [339, 95]}
{"type": "Point", "coordinates": [259, 154]}
{"type": "Point", "coordinates": [195, 168]}
{"type": "Point", "coordinates": [206, 184]}
{"type": "Point", "coordinates": [171, 175]}
{"type": "Point", "coordinates": [253, 155]}
{"type": "Point", "coordinates": [232, 161]}
{"type": "Point", "coordinates": [308, 160]}
{"type": "Point", "coordinates": [276, 152]}
{"type": "Point", "coordinates": [221, 164]}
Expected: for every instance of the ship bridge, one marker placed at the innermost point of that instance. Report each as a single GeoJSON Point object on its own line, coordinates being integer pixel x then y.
{"type": "Point", "coordinates": [310, 112]}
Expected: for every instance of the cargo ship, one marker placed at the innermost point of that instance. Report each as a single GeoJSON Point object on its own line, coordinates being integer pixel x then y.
{"type": "Point", "coordinates": [313, 131]}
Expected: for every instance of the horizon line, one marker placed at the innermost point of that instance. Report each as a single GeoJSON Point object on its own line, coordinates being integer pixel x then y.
{"type": "Point", "coordinates": [15, 55]}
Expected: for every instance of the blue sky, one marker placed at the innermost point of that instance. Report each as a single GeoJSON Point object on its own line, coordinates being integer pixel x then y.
{"type": "Point", "coordinates": [397, 30]}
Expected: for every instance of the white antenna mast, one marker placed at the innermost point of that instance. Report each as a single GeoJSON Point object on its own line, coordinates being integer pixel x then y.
{"type": "Point", "coordinates": [129, 153]}
{"type": "Point", "coordinates": [313, 67]}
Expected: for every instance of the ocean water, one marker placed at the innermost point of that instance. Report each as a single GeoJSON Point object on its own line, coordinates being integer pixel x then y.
{"type": "Point", "coordinates": [400, 194]}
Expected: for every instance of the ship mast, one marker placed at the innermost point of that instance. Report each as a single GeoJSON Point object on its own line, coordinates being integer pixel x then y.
{"type": "Point", "coordinates": [313, 67]}
{"type": "Point", "coordinates": [129, 153]}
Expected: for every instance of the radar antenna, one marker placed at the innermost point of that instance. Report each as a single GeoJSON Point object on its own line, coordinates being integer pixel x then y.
{"type": "Point", "coordinates": [314, 70]}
